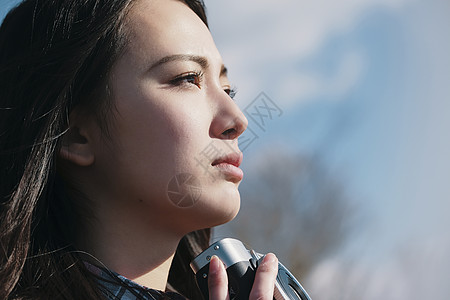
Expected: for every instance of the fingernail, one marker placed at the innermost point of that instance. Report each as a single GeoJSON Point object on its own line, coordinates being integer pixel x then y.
{"type": "Point", "coordinates": [214, 265]}
{"type": "Point", "coordinates": [270, 258]}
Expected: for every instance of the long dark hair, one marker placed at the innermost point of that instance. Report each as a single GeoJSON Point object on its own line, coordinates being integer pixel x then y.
{"type": "Point", "coordinates": [56, 55]}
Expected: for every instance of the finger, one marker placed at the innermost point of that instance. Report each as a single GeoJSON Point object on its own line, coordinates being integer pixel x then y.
{"type": "Point", "coordinates": [217, 280]}
{"type": "Point", "coordinates": [265, 277]}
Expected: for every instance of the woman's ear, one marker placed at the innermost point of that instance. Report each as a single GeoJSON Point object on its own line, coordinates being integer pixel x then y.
{"type": "Point", "coordinates": [76, 144]}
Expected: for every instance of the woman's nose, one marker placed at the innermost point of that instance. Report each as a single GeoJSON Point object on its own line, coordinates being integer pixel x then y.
{"type": "Point", "coordinates": [228, 122]}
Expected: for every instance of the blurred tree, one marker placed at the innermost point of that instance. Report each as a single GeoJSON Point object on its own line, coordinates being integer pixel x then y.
{"type": "Point", "coordinates": [291, 206]}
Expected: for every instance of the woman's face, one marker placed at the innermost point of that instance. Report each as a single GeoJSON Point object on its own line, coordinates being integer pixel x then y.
{"type": "Point", "coordinates": [174, 152]}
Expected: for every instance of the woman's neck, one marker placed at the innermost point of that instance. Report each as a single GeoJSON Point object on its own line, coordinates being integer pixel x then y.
{"type": "Point", "coordinates": [146, 263]}
{"type": "Point", "coordinates": [132, 246]}
{"type": "Point", "coordinates": [157, 278]}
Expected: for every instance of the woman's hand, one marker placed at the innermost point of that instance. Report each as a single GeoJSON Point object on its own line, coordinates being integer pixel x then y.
{"type": "Point", "coordinates": [262, 287]}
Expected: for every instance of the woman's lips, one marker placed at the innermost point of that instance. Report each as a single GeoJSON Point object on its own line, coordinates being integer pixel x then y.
{"type": "Point", "coordinates": [229, 166]}
{"type": "Point", "coordinates": [231, 171]}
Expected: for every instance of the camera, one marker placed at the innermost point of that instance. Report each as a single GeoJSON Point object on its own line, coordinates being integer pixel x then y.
{"type": "Point", "coordinates": [241, 264]}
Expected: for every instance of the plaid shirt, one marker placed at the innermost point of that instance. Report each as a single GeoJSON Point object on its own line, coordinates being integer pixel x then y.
{"type": "Point", "coordinates": [118, 287]}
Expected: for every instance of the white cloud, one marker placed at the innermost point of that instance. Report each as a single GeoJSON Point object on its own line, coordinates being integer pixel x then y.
{"type": "Point", "coordinates": [300, 86]}
{"type": "Point", "coordinates": [296, 27]}
{"type": "Point", "coordinates": [417, 270]}
{"type": "Point", "coordinates": [258, 37]}
{"type": "Point", "coordinates": [350, 69]}
{"type": "Point", "coordinates": [297, 85]}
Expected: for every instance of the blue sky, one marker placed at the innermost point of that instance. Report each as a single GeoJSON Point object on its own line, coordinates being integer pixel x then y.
{"type": "Point", "coordinates": [5, 6]}
{"type": "Point", "coordinates": [364, 85]}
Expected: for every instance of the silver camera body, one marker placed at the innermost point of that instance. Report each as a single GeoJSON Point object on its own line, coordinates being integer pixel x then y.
{"type": "Point", "coordinates": [241, 265]}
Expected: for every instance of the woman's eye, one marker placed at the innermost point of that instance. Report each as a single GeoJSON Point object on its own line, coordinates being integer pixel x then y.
{"type": "Point", "coordinates": [231, 92]}
{"type": "Point", "coordinates": [188, 78]}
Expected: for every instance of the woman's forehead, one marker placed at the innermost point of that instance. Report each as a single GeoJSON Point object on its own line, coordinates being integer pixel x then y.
{"type": "Point", "coordinates": [162, 28]}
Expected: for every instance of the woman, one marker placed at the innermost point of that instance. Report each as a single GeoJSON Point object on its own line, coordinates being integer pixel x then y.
{"type": "Point", "coordinates": [104, 106]}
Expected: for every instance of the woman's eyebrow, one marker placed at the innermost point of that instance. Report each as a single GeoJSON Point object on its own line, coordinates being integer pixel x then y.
{"type": "Point", "coordinates": [202, 61]}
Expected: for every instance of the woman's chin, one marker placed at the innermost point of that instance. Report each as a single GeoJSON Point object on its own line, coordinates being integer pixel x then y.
{"type": "Point", "coordinates": [217, 208]}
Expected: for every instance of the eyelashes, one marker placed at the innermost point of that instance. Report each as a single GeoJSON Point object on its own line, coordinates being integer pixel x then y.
{"type": "Point", "coordinates": [231, 92]}
{"type": "Point", "coordinates": [189, 79]}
